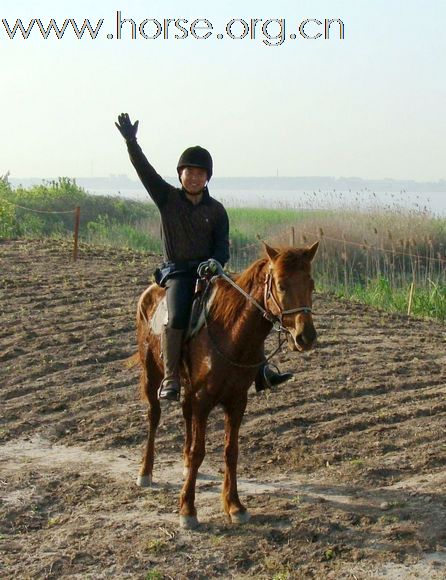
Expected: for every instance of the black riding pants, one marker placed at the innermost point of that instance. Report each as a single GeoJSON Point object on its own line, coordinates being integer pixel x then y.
{"type": "Point", "coordinates": [180, 292]}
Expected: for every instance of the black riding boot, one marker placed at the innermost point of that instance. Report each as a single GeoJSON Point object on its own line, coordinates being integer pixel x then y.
{"type": "Point", "coordinates": [171, 344]}
{"type": "Point", "coordinates": [269, 376]}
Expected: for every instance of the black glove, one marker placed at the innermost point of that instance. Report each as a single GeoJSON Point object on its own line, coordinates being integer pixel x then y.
{"type": "Point", "coordinates": [126, 128]}
{"type": "Point", "coordinates": [211, 267]}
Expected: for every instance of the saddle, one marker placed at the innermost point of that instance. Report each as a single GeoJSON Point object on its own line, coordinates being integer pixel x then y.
{"type": "Point", "coordinates": [202, 300]}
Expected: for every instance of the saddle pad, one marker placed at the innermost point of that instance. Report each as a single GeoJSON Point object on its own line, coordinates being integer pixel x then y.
{"type": "Point", "coordinates": [160, 317]}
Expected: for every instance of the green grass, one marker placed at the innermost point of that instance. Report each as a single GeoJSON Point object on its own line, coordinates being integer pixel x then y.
{"type": "Point", "coordinates": [50, 213]}
{"type": "Point", "coordinates": [154, 574]}
{"type": "Point", "coordinates": [370, 256]}
{"type": "Point", "coordinates": [427, 301]}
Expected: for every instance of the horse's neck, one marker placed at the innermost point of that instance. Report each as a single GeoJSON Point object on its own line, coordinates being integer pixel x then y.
{"type": "Point", "coordinates": [254, 327]}
{"type": "Point", "coordinates": [246, 323]}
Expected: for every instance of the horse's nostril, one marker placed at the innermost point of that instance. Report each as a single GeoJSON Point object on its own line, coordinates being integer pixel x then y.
{"type": "Point", "coordinates": [310, 336]}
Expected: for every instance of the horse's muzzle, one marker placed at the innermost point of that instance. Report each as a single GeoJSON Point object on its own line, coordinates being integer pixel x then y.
{"type": "Point", "coordinates": [302, 340]}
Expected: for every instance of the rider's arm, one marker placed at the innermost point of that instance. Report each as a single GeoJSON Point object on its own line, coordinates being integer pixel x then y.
{"type": "Point", "coordinates": [156, 186]}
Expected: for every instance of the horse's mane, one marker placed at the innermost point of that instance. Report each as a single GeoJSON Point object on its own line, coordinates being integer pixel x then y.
{"type": "Point", "coordinates": [229, 304]}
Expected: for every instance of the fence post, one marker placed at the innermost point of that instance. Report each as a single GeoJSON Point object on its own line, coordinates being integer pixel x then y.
{"type": "Point", "coordinates": [409, 306]}
{"type": "Point", "coordinates": [344, 257]}
{"type": "Point", "coordinates": [292, 237]}
{"type": "Point", "coordinates": [77, 219]}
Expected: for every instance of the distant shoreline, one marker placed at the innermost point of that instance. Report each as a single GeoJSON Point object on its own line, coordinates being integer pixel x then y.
{"type": "Point", "coordinates": [123, 182]}
{"type": "Point", "coordinates": [288, 192]}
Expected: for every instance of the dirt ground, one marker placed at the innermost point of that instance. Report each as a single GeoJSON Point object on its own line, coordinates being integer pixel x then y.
{"type": "Point", "coordinates": [343, 469]}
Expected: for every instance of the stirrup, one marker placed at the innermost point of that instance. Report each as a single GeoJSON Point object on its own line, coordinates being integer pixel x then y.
{"type": "Point", "coordinates": [264, 382]}
{"type": "Point", "coordinates": [267, 383]}
{"type": "Point", "coordinates": [170, 391]}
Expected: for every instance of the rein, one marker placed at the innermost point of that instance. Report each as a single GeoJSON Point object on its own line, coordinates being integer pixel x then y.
{"type": "Point", "coordinates": [225, 356]}
{"type": "Point", "coordinates": [276, 320]}
{"type": "Point", "coordinates": [266, 314]}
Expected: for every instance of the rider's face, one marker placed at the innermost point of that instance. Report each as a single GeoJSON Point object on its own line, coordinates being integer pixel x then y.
{"type": "Point", "coordinates": [194, 179]}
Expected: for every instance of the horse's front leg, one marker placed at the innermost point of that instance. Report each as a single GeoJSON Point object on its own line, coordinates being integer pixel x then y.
{"type": "Point", "coordinates": [187, 414]}
{"type": "Point", "coordinates": [188, 513]}
{"type": "Point", "coordinates": [231, 502]}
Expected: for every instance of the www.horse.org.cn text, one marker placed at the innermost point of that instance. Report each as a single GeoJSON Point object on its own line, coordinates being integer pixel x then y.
{"type": "Point", "coordinates": [269, 32]}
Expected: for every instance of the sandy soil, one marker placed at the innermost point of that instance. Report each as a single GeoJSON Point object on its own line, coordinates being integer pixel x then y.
{"type": "Point", "coordinates": [343, 469]}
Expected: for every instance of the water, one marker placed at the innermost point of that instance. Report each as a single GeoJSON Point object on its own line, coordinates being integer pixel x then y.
{"type": "Point", "coordinates": [431, 202]}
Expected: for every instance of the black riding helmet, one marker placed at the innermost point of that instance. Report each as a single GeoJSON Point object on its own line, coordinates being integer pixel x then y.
{"type": "Point", "coordinates": [196, 157]}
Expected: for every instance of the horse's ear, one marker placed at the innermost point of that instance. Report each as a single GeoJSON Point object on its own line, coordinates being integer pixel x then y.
{"type": "Point", "coordinates": [311, 251]}
{"type": "Point", "coordinates": [272, 253]}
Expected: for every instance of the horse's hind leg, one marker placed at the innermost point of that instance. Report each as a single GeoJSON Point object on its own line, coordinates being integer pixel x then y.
{"type": "Point", "coordinates": [151, 380]}
{"type": "Point", "coordinates": [231, 502]}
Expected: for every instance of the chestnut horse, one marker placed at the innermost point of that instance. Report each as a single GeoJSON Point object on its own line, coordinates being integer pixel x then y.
{"type": "Point", "coordinates": [221, 361]}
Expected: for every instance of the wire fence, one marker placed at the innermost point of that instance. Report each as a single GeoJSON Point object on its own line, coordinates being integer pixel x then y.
{"type": "Point", "coordinates": [343, 262]}
{"type": "Point", "coordinates": [43, 211]}
{"type": "Point", "coordinates": [76, 212]}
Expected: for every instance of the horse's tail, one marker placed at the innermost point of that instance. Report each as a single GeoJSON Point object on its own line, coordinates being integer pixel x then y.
{"type": "Point", "coordinates": [141, 309]}
{"type": "Point", "coordinates": [132, 360]}
{"type": "Point", "coordinates": [146, 303]}
{"type": "Point", "coordinates": [141, 323]}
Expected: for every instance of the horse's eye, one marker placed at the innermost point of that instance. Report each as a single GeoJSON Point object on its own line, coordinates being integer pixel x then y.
{"type": "Point", "coordinates": [281, 287]}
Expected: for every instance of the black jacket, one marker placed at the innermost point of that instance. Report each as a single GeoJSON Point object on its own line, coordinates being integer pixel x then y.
{"type": "Point", "coordinates": [189, 232]}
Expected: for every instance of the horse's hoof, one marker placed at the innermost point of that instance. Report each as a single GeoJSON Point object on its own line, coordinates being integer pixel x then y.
{"type": "Point", "coordinates": [240, 517]}
{"type": "Point", "coordinates": [188, 522]}
{"type": "Point", "coordinates": [144, 480]}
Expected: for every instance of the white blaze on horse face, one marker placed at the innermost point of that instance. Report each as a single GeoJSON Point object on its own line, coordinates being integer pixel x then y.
{"type": "Point", "coordinates": [292, 346]}
{"type": "Point", "coordinates": [293, 342]}
{"type": "Point", "coordinates": [299, 325]}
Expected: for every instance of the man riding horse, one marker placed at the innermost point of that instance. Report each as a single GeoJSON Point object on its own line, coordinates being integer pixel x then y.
{"type": "Point", "coordinates": [194, 230]}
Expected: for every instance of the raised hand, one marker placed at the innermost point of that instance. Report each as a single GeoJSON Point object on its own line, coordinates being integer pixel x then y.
{"type": "Point", "coordinates": [127, 129]}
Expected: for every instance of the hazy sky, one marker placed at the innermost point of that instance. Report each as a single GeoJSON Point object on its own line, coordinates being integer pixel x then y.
{"type": "Point", "coordinates": [371, 105]}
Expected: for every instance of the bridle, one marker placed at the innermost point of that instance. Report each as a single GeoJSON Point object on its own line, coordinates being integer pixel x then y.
{"type": "Point", "coordinates": [268, 294]}
{"type": "Point", "coordinates": [275, 319]}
